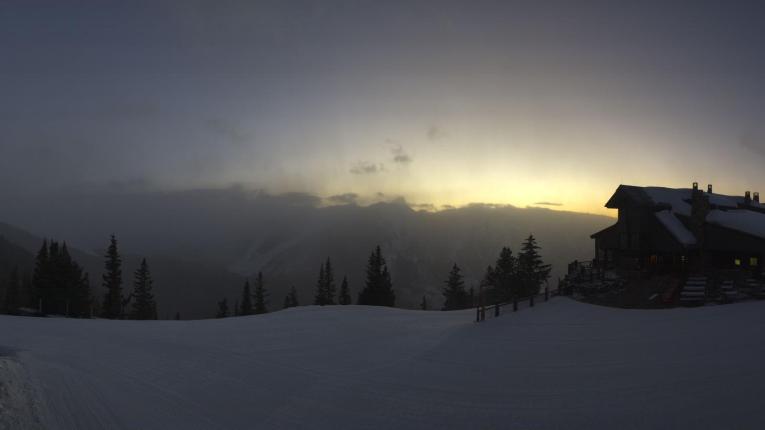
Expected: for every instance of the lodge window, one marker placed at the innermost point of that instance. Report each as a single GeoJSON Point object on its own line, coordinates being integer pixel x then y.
{"type": "Point", "coordinates": [737, 261]}
{"type": "Point", "coordinates": [654, 259]}
{"type": "Point", "coordinates": [753, 261]}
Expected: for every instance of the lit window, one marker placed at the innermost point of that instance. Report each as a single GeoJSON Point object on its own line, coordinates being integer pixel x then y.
{"type": "Point", "coordinates": [654, 259]}
{"type": "Point", "coordinates": [753, 261]}
{"type": "Point", "coordinates": [737, 261]}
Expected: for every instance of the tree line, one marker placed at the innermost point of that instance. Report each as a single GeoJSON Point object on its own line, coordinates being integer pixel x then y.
{"type": "Point", "coordinates": [510, 277]}
{"type": "Point", "coordinates": [58, 285]}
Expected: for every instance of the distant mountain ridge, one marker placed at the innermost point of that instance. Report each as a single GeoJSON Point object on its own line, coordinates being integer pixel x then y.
{"type": "Point", "coordinates": [231, 233]}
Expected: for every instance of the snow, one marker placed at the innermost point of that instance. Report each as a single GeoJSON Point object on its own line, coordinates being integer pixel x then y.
{"type": "Point", "coordinates": [740, 219]}
{"type": "Point", "coordinates": [562, 364]}
{"type": "Point", "coordinates": [743, 220]}
{"type": "Point", "coordinates": [675, 227]}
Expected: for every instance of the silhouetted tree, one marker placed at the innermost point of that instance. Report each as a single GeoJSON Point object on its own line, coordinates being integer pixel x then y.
{"type": "Point", "coordinates": [261, 299]}
{"type": "Point", "coordinates": [502, 279]}
{"type": "Point", "coordinates": [455, 296]}
{"type": "Point", "coordinates": [222, 309]}
{"type": "Point", "coordinates": [378, 290]}
{"type": "Point", "coordinates": [345, 294]}
{"type": "Point", "coordinates": [144, 307]}
{"type": "Point", "coordinates": [532, 271]}
{"type": "Point", "coordinates": [245, 306]}
{"type": "Point", "coordinates": [13, 292]}
{"type": "Point", "coordinates": [291, 300]}
{"type": "Point", "coordinates": [59, 284]}
{"type": "Point", "coordinates": [424, 304]}
{"type": "Point", "coordinates": [325, 286]}
{"type": "Point", "coordinates": [112, 281]}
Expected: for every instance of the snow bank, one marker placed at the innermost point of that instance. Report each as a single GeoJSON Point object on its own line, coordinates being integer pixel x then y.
{"type": "Point", "coordinates": [18, 405]}
{"type": "Point", "coordinates": [561, 365]}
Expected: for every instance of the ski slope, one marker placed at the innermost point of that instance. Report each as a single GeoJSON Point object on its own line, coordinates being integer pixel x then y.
{"type": "Point", "coordinates": [560, 365]}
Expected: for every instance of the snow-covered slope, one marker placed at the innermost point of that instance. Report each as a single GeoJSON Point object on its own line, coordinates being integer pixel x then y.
{"type": "Point", "coordinates": [561, 365]}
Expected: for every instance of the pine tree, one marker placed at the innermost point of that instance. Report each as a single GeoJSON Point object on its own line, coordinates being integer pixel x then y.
{"type": "Point", "coordinates": [424, 304]}
{"type": "Point", "coordinates": [144, 307]}
{"type": "Point", "coordinates": [112, 281]}
{"type": "Point", "coordinates": [40, 277]}
{"type": "Point", "coordinates": [260, 295]}
{"type": "Point", "coordinates": [503, 279]}
{"type": "Point", "coordinates": [13, 292]}
{"type": "Point", "coordinates": [245, 306]}
{"type": "Point", "coordinates": [291, 300]}
{"type": "Point", "coordinates": [455, 296]}
{"type": "Point", "coordinates": [532, 271]}
{"type": "Point", "coordinates": [325, 286]}
{"type": "Point", "coordinates": [378, 290]}
{"type": "Point", "coordinates": [222, 309]}
{"type": "Point", "coordinates": [345, 293]}
{"type": "Point", "coordinates": [320, 298]}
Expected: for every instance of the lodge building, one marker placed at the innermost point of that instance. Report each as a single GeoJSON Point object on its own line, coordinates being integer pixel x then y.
{"type": "Point", "coordinates": [671, 230]}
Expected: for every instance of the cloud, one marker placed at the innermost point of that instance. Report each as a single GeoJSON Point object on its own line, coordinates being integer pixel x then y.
{"type": "Point", "coordinates": [548, 204]}
{"type": "Point", "coordinates": [448, 207]}
{"type": "Point", "coordinates": [429, 207]}
{"type": "Point", "coordinates": [230, 131]}
{"type": "Point", "coordinates": [753, 141]}
{"type": "Point", "coordinates": [345, 199]}
{"type": "Point", "coordinates": [435, 133]}
{"type": "Point", "coordinates": [366, 168]}
{"type": "Point", "coordinates": [399, 155]}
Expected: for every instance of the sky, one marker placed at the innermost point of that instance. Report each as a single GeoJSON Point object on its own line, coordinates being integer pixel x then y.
{"type": "Point", "coordinates": [440, 103]}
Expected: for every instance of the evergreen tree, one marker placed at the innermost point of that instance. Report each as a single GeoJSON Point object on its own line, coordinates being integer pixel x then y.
{"type": "Point", "coordinates": [245, 306]}
{"type": "Point", "coordinates": [345, 293]}
{"type": "Point", "coordinates": [532, 271]}
{"type": "Point", "coordinates": [378, 290]}
{"type": "Point", "coordinates": [503, 278]}
{"type": "Point", "coordinates": [320, 298]}
{"type": "Point", "coordinates": [222, 309]}
{"type": "Point", "coordinates": [112, 281]}
{"type": "Point", "coordinates": [455, 296]}
{"type": "Point", "coordinates": [59, 285]}
{"type": "Point", "coordinates": [260, 295]}
{"type": "Point", "coordinates": [291, 300]}
{"type": "Point", "coordinates": [144, 307]}
{"type": "Point", "coordinates": [325, 286]}
{"type": "Point", "coordinates": [13, 292]}
{"type": "Point", "coordinates": [424, 304]}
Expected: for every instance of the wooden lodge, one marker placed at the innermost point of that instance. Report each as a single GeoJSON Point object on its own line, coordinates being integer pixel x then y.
{"type": "Point", "coordinates": [668, 230]}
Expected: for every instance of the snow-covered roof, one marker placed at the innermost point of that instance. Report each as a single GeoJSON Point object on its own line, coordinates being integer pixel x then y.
{"type": "Point", "coordinates": [676, 228]}
{"type": "Point", "coordinates": [743, 220]}
{"type": "Point", "coordinates": [726, 211]}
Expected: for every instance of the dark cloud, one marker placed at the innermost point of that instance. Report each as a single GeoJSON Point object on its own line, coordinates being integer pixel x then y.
{"type": "Point", "coordinates": [366, 168]}
{"type": "Point", "coordinates": [230, 131]}
{"type": "Point", "coordinates": [399, 155]}
{"type": "Point", "coordinates": [345, 199]}
{"type": "Point", "coordinates": [447, 207]}
{"type": "Point", "coordinates": [754, 142]}
{"type": "Point", "coordinates": [548, 204]}
{"type": "Point", "coordinates": [435, 133]}
{"type": "Point", "coordinates": [423, 206]}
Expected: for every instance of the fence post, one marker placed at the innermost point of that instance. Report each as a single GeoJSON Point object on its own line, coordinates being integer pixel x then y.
{"type": "Point", "coordinates": [531, 301]}
{"type": "Point", "coordinates": [477, 314]}
{"type": "Point", "coordinates": [515, 304]}
{"type": "Point", "coordinates": [496, 310]}
{"type": "Point", "coordinates": [547, 293]}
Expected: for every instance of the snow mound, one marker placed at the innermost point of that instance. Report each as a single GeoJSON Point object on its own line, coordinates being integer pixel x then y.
{"type": "Point", "coordinates": [562, 364]}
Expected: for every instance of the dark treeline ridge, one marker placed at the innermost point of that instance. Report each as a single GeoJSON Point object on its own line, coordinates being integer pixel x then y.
{"type": "Point", "coordinates": [510, 277]}
{"type": "Point", "coordinates": [58, 285]}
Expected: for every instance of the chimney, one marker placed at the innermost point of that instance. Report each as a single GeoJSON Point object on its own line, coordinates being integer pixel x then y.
{"type": "Point", "coordinates": [756, 197]}
{"type": "Point", "coordinates": [695, 186]}
{"type": "Point", "coordinates": [709, 188]}
{"type": "Point", "coordinates": [748, 198]}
